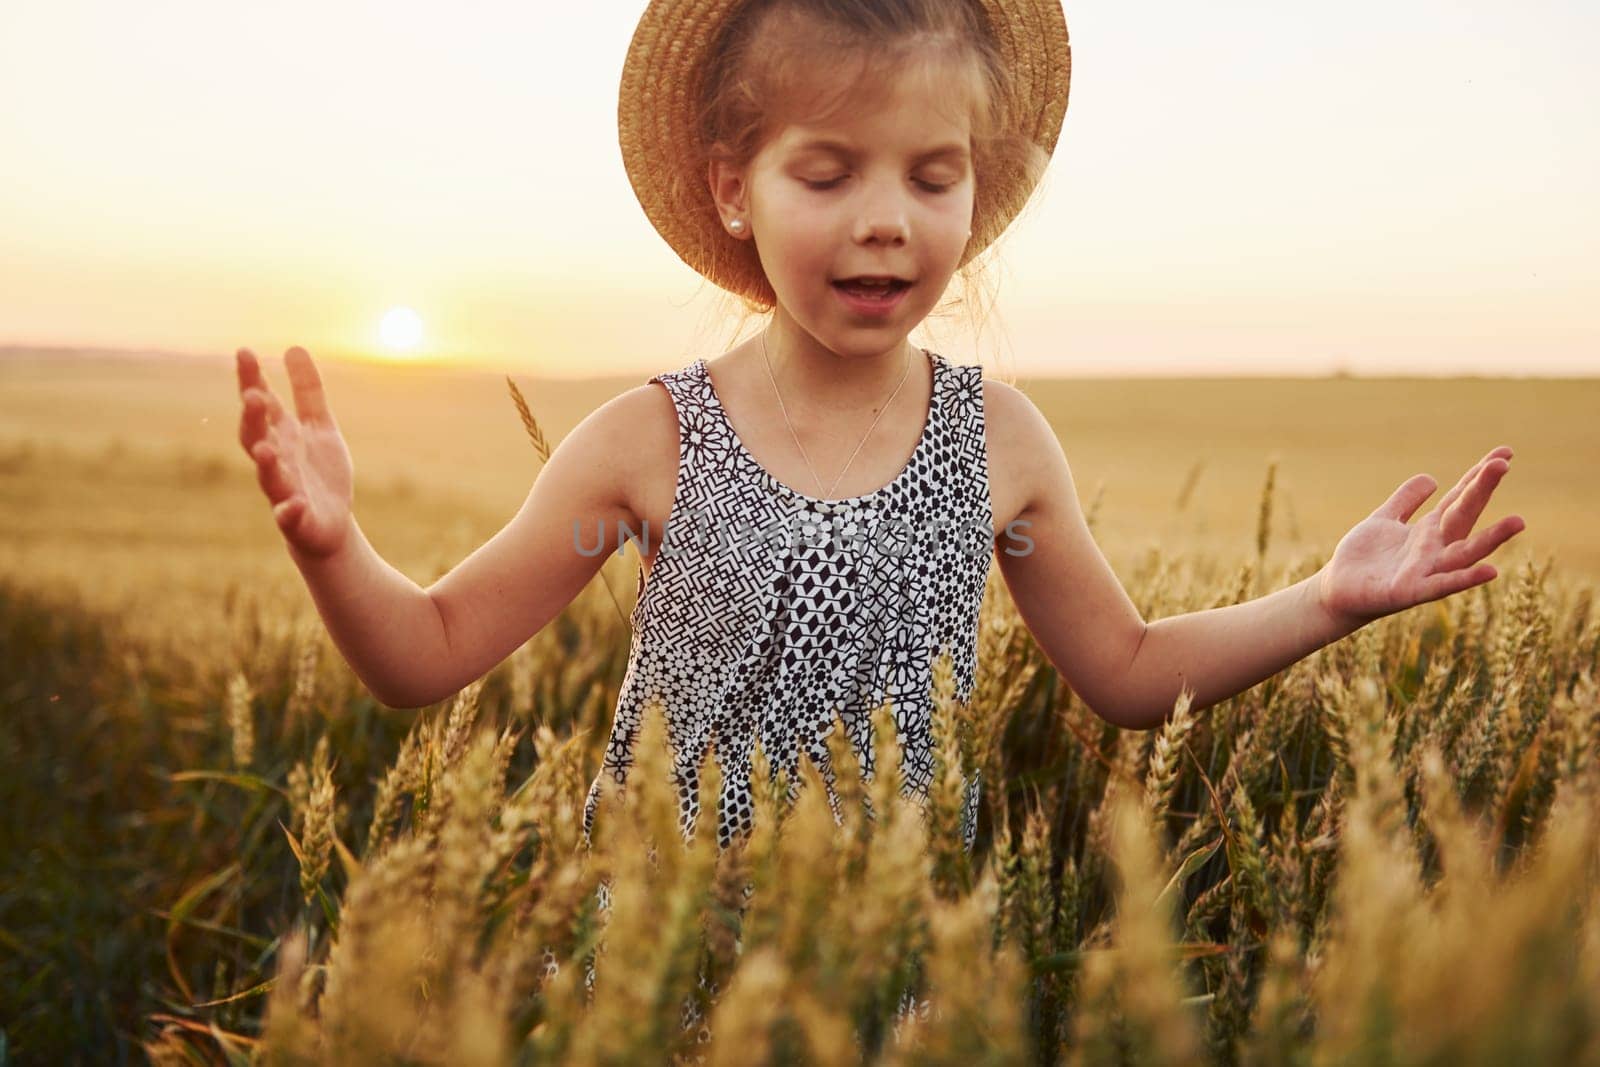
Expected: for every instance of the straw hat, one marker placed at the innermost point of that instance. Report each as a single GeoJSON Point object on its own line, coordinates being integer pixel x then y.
{"type": "Point", "coordinates": [658, 128]}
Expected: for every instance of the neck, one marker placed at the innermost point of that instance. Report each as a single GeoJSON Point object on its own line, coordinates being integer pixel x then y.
{"type": "Point", "coordinates": [820, 377]}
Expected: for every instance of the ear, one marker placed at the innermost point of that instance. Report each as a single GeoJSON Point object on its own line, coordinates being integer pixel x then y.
{"type": "Point", "coordinates": [730, 191]}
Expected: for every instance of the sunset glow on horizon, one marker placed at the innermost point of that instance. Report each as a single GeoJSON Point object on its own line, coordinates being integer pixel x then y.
{"type": "Point", "coordinates": [1248, 190]}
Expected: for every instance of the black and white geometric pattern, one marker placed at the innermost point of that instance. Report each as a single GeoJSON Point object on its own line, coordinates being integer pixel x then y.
{"type": "Point", "coordinates": [767, 609]}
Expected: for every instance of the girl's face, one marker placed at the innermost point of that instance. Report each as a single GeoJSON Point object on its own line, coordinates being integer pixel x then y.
{"type": "Point", "coordinates": [887, 192]}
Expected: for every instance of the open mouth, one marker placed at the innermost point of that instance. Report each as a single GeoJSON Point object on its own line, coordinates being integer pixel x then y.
{"type": "Point", "coordinates": [872, 292]}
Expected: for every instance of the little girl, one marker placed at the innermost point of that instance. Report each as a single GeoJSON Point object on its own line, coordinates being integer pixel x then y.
{"type": "Point", "coordinates": [835, 492]}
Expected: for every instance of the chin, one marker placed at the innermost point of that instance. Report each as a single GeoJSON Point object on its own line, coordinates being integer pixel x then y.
{"type": "Point", "coordinates": [872, 346]}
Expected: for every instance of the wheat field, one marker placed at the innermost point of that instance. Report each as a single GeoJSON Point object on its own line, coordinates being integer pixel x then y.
{"type": "Point", "coordinates": [221, 849]}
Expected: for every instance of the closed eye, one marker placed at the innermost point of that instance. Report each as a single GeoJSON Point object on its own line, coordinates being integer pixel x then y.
{"type": "Point", "coordinates": [932, 187]}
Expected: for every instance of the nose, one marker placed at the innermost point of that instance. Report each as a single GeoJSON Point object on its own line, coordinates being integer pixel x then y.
{"type": "Point", "coordinates": [883, 219]}
{"type": "Point", "coordinates": [887, 231]}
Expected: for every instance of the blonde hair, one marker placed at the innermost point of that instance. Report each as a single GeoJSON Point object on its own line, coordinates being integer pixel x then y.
{"type": "Point", "coordinates": [779, 62]}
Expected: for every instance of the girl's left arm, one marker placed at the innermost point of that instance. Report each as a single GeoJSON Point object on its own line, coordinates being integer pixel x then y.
{"type": "Point", "coordinates": [1380, 567]}
{"type": "Point", "coordinates": [1131, 672]}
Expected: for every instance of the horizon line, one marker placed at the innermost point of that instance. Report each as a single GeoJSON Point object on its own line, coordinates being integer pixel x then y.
{"type": "Point", "coordinates": [464, 365]}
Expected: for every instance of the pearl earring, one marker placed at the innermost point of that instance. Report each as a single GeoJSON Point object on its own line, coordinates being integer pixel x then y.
{"type": "Point", "coordinates": [736, 225]}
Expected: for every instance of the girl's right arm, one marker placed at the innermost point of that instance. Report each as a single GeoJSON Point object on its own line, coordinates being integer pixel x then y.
{"type": "Point", "coordinates": [412, 646]}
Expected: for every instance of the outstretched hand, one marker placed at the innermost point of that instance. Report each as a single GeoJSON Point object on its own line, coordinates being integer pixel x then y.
{"type": "Point", "coordinates": [301, 458]}
{"type": "Point", "coordinates": [1383, 565]}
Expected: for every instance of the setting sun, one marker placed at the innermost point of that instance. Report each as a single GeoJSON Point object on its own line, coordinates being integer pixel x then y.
{"type": "Point", "coordinates": [401, 329]}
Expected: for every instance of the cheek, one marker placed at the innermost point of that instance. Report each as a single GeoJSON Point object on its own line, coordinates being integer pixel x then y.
{"type": "Point", "coordinates": [788, 198]}
{"type": "Point", "coordinates": [959, 206]}
{"type": "Point", "coordinates": [803, 233]}
{"type": "Point", "coordinates": [959, 219]}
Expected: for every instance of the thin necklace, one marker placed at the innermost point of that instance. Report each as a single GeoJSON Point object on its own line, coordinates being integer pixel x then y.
{"type": "Point", "coordinates": [828, 493]}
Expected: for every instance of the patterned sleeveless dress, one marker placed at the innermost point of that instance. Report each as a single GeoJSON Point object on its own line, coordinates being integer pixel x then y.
{"type": "Point", "coordinates": [768, 611]}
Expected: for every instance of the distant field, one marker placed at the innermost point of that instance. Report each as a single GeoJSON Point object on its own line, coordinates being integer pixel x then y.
{"type": "Point", "coordinates": [124, 477]}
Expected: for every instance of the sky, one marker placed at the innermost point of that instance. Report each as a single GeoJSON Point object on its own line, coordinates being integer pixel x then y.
{"type": "Point", "coordinates": [1378, 187]}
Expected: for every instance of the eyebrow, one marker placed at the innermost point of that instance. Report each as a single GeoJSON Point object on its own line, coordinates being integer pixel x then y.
{"type": "Point", "coordinates": [827, 144]}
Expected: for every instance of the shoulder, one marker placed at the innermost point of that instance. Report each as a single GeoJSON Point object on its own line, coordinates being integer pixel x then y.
{"type": "Point", "coordinates": [1020, 443]}
{"type": "Point", "coordinates": [1006, 405]}
{"type": "Point", "coordinates": [633, 418]}
{"type": "Point", "coordinates": [638, 430]}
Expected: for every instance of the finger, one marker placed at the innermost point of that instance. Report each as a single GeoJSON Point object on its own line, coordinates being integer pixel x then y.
{"type": "Point", "coordinates": [1439, 586]}
{"type": "Point", "coordinates": [270, 473]}
{"type": "Point", "coordinates": [275, 412]}
{"type": "Point", "coordinates": [253, 420]}
{"type": "Point", "coordinates": [1455, 490]}
{"type": "Point", "coordinates": [262, 410]}
{"type": "Point", "coordinates": [1457, 521]}
{"type": "Point", "coordinates": [1502, 452]}
{"type": "Point", "coordinates": [1467, 552]}
{"type": "Point", "coordinates": [309, 400]}
{"type": "Point", "coordinates": [287, 513]}
{"type": "Point", "coordinates": [1404, 502]}
{"type": "Point", "coordinates": [248, 369]}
